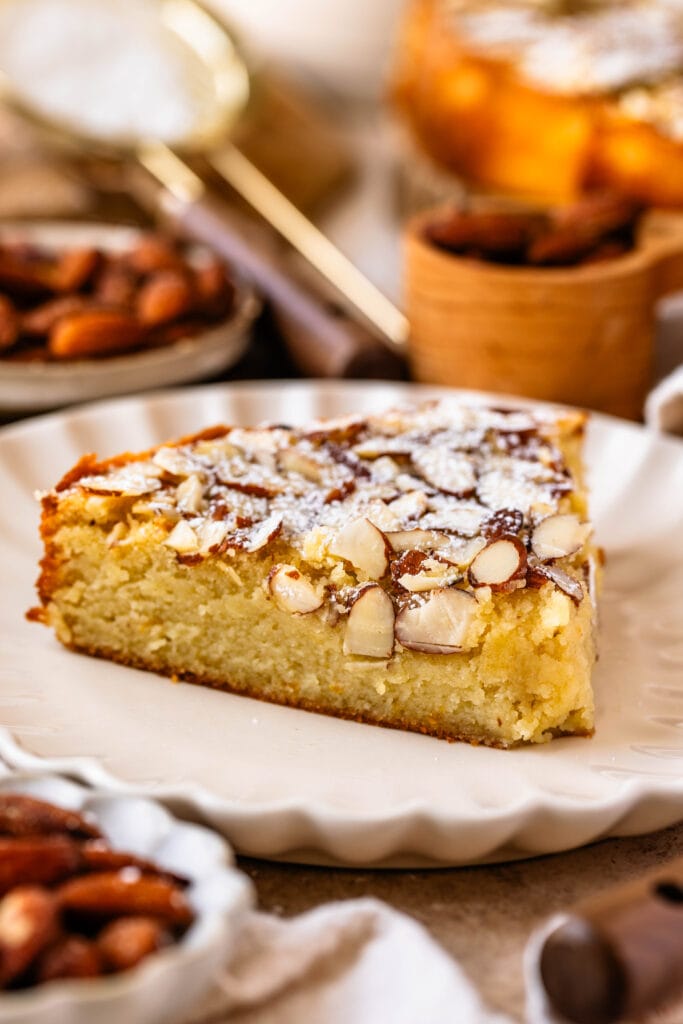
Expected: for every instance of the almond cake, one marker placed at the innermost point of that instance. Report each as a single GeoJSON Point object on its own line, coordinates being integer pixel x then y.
{"type": "Point", "coordinates": [428, 568]}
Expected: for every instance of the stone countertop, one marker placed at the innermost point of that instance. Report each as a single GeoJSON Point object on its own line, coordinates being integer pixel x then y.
{"type": "Point", "coordinates": [481, 915]}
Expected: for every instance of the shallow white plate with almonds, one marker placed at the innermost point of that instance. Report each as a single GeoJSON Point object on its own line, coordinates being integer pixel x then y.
{"type": "Point", "coordinates": [286, 783]}
{"type": "Point", "coordinates": [33, 386]}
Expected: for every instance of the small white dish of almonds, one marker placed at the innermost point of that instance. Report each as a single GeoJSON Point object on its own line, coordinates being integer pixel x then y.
{"type": "Point", "coordinates": [94, 310]}
{"type": "Point", "coordinates": [108, 905]}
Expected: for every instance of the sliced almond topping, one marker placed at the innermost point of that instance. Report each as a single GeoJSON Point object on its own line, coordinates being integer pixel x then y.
{"type": "Point", "coordinates": [439, 624]}
{"type": "Point", "coordinates": [182, 538]}
{"type": "Point", "coordinates": [498, 563]}
{"type": "Point", "coordinates": [558, 536]}
{"type": "Point", "coordinates": [292, 591]}
{"type": "Point", "coordinates": [264, 533]}
{"type": "Point", "coordinates": [190, 494]}
{"type": "Point", "coordinates": [174, 461]}
{"type": "Point", "coordinates": [452, 472]}
{"type": "Point", "coordinates": [292, 460]}
{"type": "Point", "coordinates": [212, 533]}
{"type": "Point", "coordinates": [410, 505]}
{"type": "Point", "coordinates": [362, 544]}
{"type": "Point", "coordinates": [418, 540]}
{"type": "Point", "coordinates": [566, 583]}
{"type": "Point", "coordinates": [370, 625]}
{"type": "Point", "coordinates": [129, 482]}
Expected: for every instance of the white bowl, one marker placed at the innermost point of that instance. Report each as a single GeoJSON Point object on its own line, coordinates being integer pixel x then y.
{"type": "Point", "coordinates": [35, 387]}
{"type": "Point", "coordinates": [164, 987]}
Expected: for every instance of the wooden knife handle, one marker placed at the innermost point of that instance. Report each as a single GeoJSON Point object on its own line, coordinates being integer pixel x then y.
{"type": "Point", "coordinates": [323, 340]}
{"type": "Point", "coordinates": [620, 955]}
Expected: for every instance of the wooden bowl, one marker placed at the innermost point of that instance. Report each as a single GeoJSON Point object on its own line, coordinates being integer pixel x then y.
{"type": "Point", "coordinates": [579, 335]}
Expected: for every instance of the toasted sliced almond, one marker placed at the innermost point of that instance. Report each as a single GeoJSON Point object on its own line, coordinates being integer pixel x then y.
{"type": "Point", "coordinates": [363, 545]}
{"type": "Point", "coordinates": [292, 460]}
{"type": "Point", "coordinates": [417, 540]}
{"type": "Point", "coordinates": [211, 535]}
{"type": "Point", "coordinates": [174, 461]}
{"type": "Point", "coordinates": [190, 494]}
{"type": "Point", "coordinates": [291, 590]}
{"type": "Point", "coordinates": [451, 472]}
{"type": "Point", "coordinates": [264, 533]}
{"type": "Point", "coordinates": [410, 505]}
{"type": "Point", "coordinates": [370, 625]}
{"type": "Point", "coordinates": [498, 563]}
{"type": "Point", "coordinates": [566, 583]}
{"type": "Point", "coordinates": [183, 539]}
{"type": "Point", "coordinates": [558, 536]}
{"type": "Point", "coordinates": [439, 624]}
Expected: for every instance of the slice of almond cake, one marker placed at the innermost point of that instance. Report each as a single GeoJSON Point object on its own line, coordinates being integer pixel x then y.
{"type": "Point", "coordinates": [427, 568]}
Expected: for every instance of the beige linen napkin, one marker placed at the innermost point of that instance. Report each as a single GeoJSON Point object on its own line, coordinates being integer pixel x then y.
{"type": "Point", "coordinates": [352, 962]}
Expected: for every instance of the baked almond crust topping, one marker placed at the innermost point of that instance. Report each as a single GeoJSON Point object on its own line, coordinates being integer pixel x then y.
{"type": "Point", "coordinates": [420, 503]}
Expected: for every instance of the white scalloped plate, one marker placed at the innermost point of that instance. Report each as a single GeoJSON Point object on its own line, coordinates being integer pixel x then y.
{"type": "Point", "coordinates": [289, 784]}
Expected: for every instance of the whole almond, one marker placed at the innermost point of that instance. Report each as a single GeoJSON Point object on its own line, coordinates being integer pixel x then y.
{"type": "Point", "coordinates": [25, 816]}
{"type": "Point", "coordinates": [164, 297]}
{"type": "Point", "coordinates": [41, 320]}
{"type": "Point", "coordinates": [116, 284]}
{"type": "Point", "coordinates": [29, 923]}
{"type": "Point", "coordinates": [9, 323]}
{"type": "Point", "coordinates": [125, 892]}
{"type": "Point", "coordinates": [25, 275]}
{"type": "Point", "coordinates": [69, 957]}
{"type": "Point", "coordinates": [153, 253]}
{"type": "Point", "coordinates": [36, 860]}
{"type": "Point", "coordinates": [97, 856]}
{"type": "Point", "coordinates": [95, 333]}
{"type": "Point", "coordinates": [127, 941]}
{"type": "Point", "coordinates": [74, 268]}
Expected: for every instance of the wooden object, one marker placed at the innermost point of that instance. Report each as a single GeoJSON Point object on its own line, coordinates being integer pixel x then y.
{"type": "Point", "coordinates": [620, 955]}
{"type": "Point", "coordinates": [580, 335]}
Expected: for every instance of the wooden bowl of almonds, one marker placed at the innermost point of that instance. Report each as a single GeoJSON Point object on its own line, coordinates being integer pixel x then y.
{"type": "Point", "coordinates": [557, 305]}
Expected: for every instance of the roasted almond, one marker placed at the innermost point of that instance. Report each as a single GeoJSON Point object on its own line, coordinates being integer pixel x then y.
{"type": "Point", "coordinates": [25, 273]}
{"type": "Point", "coordinates": [74, 268]}
{"type": "Point", "coordinates": [25, 816]}
{"type": "Point", "coordinates": [69, 957]}
{"type": "Point", "coordinates": [95, 333]}
{"type": "Point", "coordinates": [124, 943]}
{"type": "Point", "coordinates": [9, 323]}
{"type": "Point", "coordinates": [116, 284]}
{"type": "Point", "coordinates": [44, 318]}
{"type": "Point", "coordinates": [488, 234]}
{"type": "Point", "coordinates": [97, 856]}
{"type": "Point", "coordinates": [164, 297]}
{"type": "Point", "coordinates": [152, 254]}
{"type": "Point", "coordinates": [125, 892]}
{"type": "Point", "coordinates": [36, 860]}
{"type": "Point", "coordinates": [29, 923]}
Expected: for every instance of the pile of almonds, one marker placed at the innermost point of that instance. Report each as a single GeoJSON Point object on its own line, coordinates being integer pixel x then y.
{"type": "Point", "coordinates": [85, 303]}
{"type": "Point", "coordinates": [70, 906]}
{"type": "Point", "coordinates": [597, 228]}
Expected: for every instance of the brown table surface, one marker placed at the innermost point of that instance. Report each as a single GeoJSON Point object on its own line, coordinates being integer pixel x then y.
{"type": "Point", "coordinates": [481, 915]}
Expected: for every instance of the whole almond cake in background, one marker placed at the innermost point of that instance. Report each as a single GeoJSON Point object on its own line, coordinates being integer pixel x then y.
{"type": "Point", "coordinates": [428, 568]}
